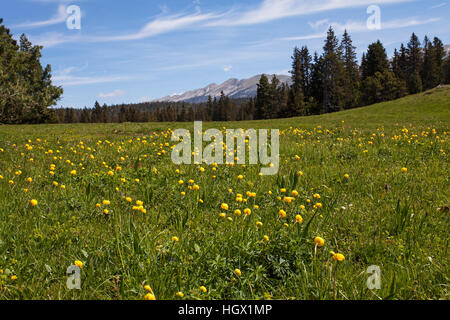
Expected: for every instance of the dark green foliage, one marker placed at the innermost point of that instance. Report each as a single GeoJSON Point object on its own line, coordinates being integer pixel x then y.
{"type": "Point", "coordinates": [26, 90]}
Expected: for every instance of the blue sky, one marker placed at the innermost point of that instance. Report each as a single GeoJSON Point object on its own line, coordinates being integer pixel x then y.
{"type": "Point", "coordinates": [139, 50]}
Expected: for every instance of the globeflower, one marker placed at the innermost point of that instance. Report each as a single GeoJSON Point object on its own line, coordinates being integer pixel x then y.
{"type": "Point", "coordinates": [320, 242]}
{"type": "Point", "coordinates": [282, 214]}
{"type": "Point", "coordinates": [299, 219]}
{"type": "Point", "coordinates": [224, 206]}
{"type": "Point", "coordinates": [338, 257]}
{"type": "Point", "coordinates": [175, 239]}
{"type": "Point", "coordinates": [34, 202]}
{"type": "Point", "coordinates": [238, 272]}
{"type": "Point", "coordinates": [149, 296]}
{"type": "Point", "coordinates": [404, 170]}
{"type": "Point", "coordinates": [203, 289]}
{"type": "Point", "coordinates": [73, 172]}
{"type": "Point", "coordinates": [180, 294]}
{"type": "Point", "coordinates": [266, 239]}
{"type": "Point", "coordinates": [78, 263]}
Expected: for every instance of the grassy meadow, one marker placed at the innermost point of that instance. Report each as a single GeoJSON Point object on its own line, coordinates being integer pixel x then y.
{"type": "Point", "coordinates": [367, 186]}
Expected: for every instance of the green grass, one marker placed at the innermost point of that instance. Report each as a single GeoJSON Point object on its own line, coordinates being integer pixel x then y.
{"type": "Point", "coordinates": [379, 216]}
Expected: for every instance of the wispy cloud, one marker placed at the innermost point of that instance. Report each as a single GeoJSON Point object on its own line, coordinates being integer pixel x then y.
{"type": "Point", "coordinates": [68, 80]}
{"type": "Point", "coordinates": [60, 17]}
{"type": "Point", "coordinates": [227, 68]}
{"type": "Point", "coordinates": [356, 27]}
{"type": "Point", "coordinates": [114, 94]}
{"type": "Point", "coordinates": [270, 10]}
{"type": "Point", "coordinates": [51, 39]}
{"type": "Point", "coordinates": [162, 25]}
{"type": "Point", "coordinates": [439, 5]}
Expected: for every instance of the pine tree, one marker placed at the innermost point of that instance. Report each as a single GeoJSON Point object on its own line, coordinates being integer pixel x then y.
{"type": "Point", "coordinates": [439, 57]}
{"type": "Point", "coordinates": [332, 72]}
{"type": "Point", "coordinates": [316, 86]}
{"type": "Point", "coordinates": [26, 90]}
{"type": "Point", "coordinates": [431, 72]}
{"type": "Point", "coordinates": [296, 98]}
{"type": "Point", "coordinates": [262, 103]}
{"type": "Point", "coordinates": [351, 72]}
{"type": "Point", "coordinates": [375, 60]}
{"type": "Point", "coordinates": [414, 65]}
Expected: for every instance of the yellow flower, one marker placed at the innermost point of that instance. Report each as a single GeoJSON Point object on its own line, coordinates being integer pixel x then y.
{"type": "Point", "coordinates": [196, 187]}
{"type": "Point", "coordinates": [237, 212]}
{"type": "Point", "coordinates": [33, 202]}
{"type": "Point", "coordinates": [259, 224]}
{"type": "Point", "coordinates": [224, 206]}
{"type": "Point", "coordinates": [300, 173]}
{"type": "Point", "coordinates": [240, 177]}
{"type": "Point", "coordinates": [14, 277]}
{"type": "Point", "coordinates": [319, 241]}
{"type": "Point", "coordinates": [73, 172]}
{"type": "Point", "coordinates": [404, 170]}
{"type": "Point", "coordinates": [238, 272]}
{"type": "Point", "coordinates": [106, 211]}
{"type": "Point", "coordinates": [203, 289]}
{"type": "Point", "coordinates": [282, 214]}
{"type": "Point", "coordinates": [180, 294]}
{"type": "Point", "coordinates": [294, 193]}
{"type": "Point", "coordinates": [128, 199]}
{"type": "Point", "coordinates": [247, 211]}
{"type": "Point", "coordinates": [180, 182]}
{"type": "Point", "coordinates": [149, 296]}
{"type": "Point", "coordinates": [346, 176]}
{"type": "Point", "coordinates": [223, 215]}
{"type": "Point", "coordinates": [98, 205]}
{"type": "Point", "coordinates": [29, 179]}
{"type": "Point", "coordinates": [298, 218]}
{"type": "Point", "coordinates": [148, 288]}
{"type": "Point", "coordinates": [338, 257]}
{"type": "Point", "coordinates": [316, 196]}
{"type": "Point", "coordinates": [106, 202]}
{"type": "Point", "coordinates": [175, 239]}
{"type": "Point", "coordinates": [78, 263]}
{"type": "Point", "coordinates": [266, 239]}
{"type": "Point", "coordinates": [283, 190]}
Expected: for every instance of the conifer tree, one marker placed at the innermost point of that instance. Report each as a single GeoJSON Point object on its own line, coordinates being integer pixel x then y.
{"type": "Point", "coordinates": [26, 90]}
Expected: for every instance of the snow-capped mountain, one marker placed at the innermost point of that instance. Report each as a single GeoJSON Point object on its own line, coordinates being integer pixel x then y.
{"type": "Point", "coordinates": [233, 88]}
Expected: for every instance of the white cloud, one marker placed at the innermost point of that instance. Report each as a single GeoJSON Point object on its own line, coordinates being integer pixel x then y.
{"type": "Point", "coordinates": [51, 39]}
{"type": "Point", "coordinates": [270, 10]}
{"type": "Point", "coordinates": [356, 27]}
{"type": "Point", "coordinates": [227, 68]}
{"type": "Point", "coordinates": [68, 80]}
{"type": "Point", "coordinates": [114, 94]}
{"type": "Point", "coordinates": [439, 5]}
{"type": "Point", "coordinates": [162, 25]}
{"type": "Point", "coordinates": [60, 17]}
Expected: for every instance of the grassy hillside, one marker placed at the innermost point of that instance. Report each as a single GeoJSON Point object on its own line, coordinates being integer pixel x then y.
{"type": "Point", "coordinates": [358, 188]}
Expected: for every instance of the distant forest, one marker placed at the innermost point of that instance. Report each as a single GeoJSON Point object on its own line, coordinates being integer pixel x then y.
{"type": "Point", "coordinates": [329, 82]}
{"type": "Point", "coordinates": [321, 83]}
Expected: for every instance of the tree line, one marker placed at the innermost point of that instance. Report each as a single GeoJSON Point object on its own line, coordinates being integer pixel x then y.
{"type": "Point", "coordinates": [334, 81]}
{"type": "Point", "coordinates": [320, 83]}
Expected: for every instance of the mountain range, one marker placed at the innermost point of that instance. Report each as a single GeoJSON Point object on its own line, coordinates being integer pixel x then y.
{"type": "Point", "coordinates": [233, 88]}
